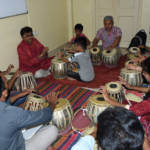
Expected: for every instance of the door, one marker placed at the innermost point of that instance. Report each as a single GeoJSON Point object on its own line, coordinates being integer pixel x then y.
{"type": "Point", "coordinates": [125, 13]}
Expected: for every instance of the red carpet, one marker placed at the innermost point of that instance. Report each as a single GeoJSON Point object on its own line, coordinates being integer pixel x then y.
{"type": "Point", "coordinates": [103, 75]}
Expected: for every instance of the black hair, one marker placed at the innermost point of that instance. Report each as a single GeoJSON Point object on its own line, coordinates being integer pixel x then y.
{"type": "Point", "coordinates": [139, 39]}
{"type": "Point", "coordinates": [119, 129]}
{"type": "Point", "coordinates": [25, 30]}
{"type": "Point", "coordinates": [146, 65]}
{"type": "Point", "coordinates": [2, 86]}
{"type": "Point", "coordinates": [81, 41]}
{"type": "Point", "coordinates": [78, 27]}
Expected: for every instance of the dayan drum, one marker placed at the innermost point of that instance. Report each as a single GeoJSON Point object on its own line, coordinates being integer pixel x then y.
{"type": "Point", "coordinates": [63, 114]}
{"type": "Point", "coordinates": [110, 57]}
{"type": "Point", "coordinates": [59, 68]}
{"type": "Point", "coordinates": [96, 104]}
{"type": "Point", "coordinates": [115, 90]}
{"type": "Point", "coordinates": [132, 77]}
{"type": "Point", "coordinates": [25, 81]}
{"type": "Point", "coordinates": [95, 54]}
{"type": "Point", "coordinates": [133, 53]}
{"type": "Point", "coordinates": [34, 102]}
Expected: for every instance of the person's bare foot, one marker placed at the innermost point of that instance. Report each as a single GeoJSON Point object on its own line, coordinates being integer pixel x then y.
{"type": "Point", "coordinates": [69, 78]}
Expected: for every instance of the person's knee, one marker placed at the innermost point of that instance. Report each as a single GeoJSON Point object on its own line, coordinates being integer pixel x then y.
{"type": "Point", "coordinates": [43, 138]}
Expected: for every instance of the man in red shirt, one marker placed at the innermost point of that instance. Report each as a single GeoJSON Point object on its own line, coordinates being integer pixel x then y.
{"type": "Point", "coordinates": [32, 54]}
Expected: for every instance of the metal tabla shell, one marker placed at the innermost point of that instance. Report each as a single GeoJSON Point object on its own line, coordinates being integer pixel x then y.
{"type": "Point", "coordinates": [63, 114]}
{"type": "Point", "coordinates": [96, 104]}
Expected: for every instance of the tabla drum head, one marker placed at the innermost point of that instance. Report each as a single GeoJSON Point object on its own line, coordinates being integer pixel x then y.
{"type": "Point", "coordinates": [134, 50]}
{"type": "Point", "coordinates": [95, 50]}
{"type": "Point", "coordinates": [98, 100]}
{"type": "Point", "coordinates": [110, 52]}
{"type": "Point", "coordinates": [113, 87]}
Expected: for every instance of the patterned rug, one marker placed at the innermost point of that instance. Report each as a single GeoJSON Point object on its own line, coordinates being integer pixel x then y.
{"type": "Point", "coordinates": [77, 97]}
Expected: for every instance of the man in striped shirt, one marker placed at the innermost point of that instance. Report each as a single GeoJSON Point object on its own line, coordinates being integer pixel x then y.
{"type": "Point", "coordinates": [110, 35]}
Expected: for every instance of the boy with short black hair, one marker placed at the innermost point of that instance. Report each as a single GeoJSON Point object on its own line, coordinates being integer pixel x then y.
{"type": "Point", "coordinates": [81, 57]}
{"type": "Point", "coordinates": [117, 129]}
{"type": "Point", "coordinates": [78, 33]}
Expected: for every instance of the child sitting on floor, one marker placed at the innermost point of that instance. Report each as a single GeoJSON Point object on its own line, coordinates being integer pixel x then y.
{"type": "Point", "coordinates": [78, 33]}
{"type": "Point", "coordinates": [85, 72]}
{"type": "Point", "coordinates": [139, 109]}
{"type": "Point", "coordinates": [117, 129]}
{"type": "Point", "coordinates": [14, 98]}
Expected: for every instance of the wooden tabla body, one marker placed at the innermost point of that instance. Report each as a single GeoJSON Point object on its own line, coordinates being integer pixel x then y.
{"type": "Point", "coordinates": [115, 90]}
{"type": "Point", "coordinates": [59, 68]}
{"type": "Point", "coordinates": [133, 53]}
{"type": "Point", "coordinates": [25, 81]}
{"type": "Point", "coordinates": [63, 114]}
{"type": "Point", "coordinates": [95, 54]}
{"type": "Point", "coordinates": [110, 57]}
{"type": "Point", "coordinates": [34, 102]}
{"type": "Point", "coordinates": [96, 104]}
{"type": "Point", "coordinates": [132, 77]}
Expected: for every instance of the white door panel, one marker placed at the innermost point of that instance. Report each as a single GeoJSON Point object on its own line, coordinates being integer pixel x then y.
{"type": "Point", "coordinates": [125, 13]}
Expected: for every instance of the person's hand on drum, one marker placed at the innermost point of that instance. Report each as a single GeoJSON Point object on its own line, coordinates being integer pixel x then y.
{"type": "Point", "coordinates": [17, 73]}
{"type": "Point", "coordinates": [123, 82]}
{"type": "Point", "coordinates": [59, 54]}
{"type": "Point", "coordinates": [104, 92]}
{"type": "Point", "coordinates": [29, 91]}
{"type": "Point", "coordinates": [11, 66]}
{"type": "Point", "coordinates": [52, 98]}
{"type": "Point", "coordinates": [44, 52]}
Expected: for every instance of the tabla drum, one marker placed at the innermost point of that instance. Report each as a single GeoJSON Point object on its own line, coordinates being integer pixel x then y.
{"type": "Point", "coordinates": [59, 68]}
{"type": "Point", "coordinates": [95, 54]}
{"type": "Point", "coordinates": [132, 77]}
{"type": "Point", "coordinates": [134, 50]}
{"type": "Point", "coordinates": [25, 81]}
{"type": "Point", "coordinates": [133, 53]}
{"type": "Point", "coordinates": [130, 62]}
{"type": "Point", "coordinates": [63, 114]}
{"type": "Point", "coordinates": [115, 90]}
{"type": "Point", "coordinates": [110, 57]}
{"type": "Point", "coordinates": [96, 104]}
{"type": "Point", "coordinates": [34, 102]}
{"type": "Point", "coordinates": [81, 122]}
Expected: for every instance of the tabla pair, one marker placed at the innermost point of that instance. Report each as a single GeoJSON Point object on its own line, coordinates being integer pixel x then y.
{"type": "Point", "coordinates": [109, 57]}
{"type": "Point", "coordinates": [60, 68]}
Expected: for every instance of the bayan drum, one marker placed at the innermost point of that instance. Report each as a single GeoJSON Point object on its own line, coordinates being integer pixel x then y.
{"type": "Point", "coordinates": [96, 104]}
{"type": "Point", "coordinates": [110, 57]}
{"type": "Point", "coordinates": [34, 102]}
{"type": "Point", "coordinates": [25, 81]}
{"type": "Point", "coordinates": [115, 90]}
{"type": "Point", "coordinates": [81, 122]}
{"type": "Point", "coordinates": [59, 68]}
{"type": "Point", "coordinates": [63, 114]}
{"type": "Point", "coordinates": [132, 77]}
{"type": "Point", "coordinates": [95, 54]}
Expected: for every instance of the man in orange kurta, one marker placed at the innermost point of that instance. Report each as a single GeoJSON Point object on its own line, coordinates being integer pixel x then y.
{"type": "Point", "coordinates": [32, 54]}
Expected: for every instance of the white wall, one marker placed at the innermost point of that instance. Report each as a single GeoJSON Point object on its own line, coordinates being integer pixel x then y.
{"type": "Point", "coordinates": [49, 18]}
{"type": "Point", "coordinates": [83, 12]}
